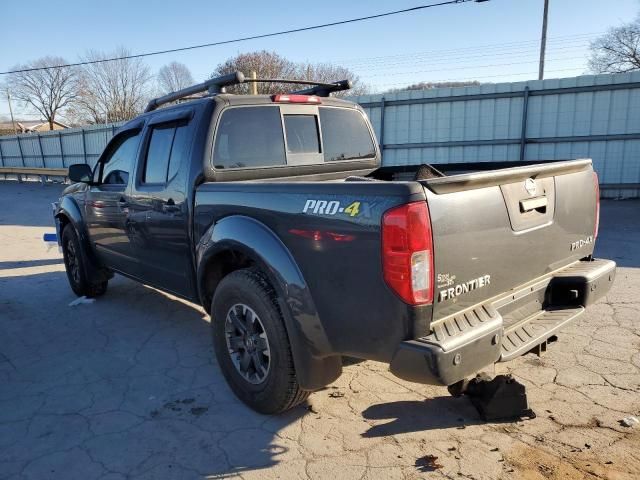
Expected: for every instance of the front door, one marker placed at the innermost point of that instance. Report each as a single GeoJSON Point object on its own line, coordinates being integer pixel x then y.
{"type": "Point", "coordinates": [159, 207]}
{"type": "Point", "coordinates": [107, 203]}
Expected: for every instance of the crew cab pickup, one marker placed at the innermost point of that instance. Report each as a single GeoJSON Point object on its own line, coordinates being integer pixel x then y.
{"type": "Point", "coordinates": [274, 213]}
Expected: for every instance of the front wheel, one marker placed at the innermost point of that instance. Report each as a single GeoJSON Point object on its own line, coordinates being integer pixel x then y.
{"type": "Point", "coordinates": [251, 343]}
{"type": "Point", "coordinates": [75, 265]}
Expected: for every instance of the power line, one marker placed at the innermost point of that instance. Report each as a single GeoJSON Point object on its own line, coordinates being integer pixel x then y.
{"type": "Point", "coordinates": [252, 37]}
{"type": "Point", "coordinates": [467, 67]}
{"type": "Point", "coordinates": [583, 37]}
{"type": "Point", "coordinates": [459, 59]}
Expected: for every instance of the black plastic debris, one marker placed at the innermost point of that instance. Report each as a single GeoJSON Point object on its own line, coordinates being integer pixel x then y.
{"type": "Point", "coordinates": [499, 398]}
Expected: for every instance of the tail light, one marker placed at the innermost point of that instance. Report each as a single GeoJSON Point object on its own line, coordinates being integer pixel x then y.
{"type": "Point", "coordinates": [407, 252]}
{"type": "Point", "coordinates": [296, 98]}
{"type": "Point", "coordinates": [596, 186]}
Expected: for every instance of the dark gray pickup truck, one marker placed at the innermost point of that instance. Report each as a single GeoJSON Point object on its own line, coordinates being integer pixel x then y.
{"type": "Point", "coordinates": [274, 214]}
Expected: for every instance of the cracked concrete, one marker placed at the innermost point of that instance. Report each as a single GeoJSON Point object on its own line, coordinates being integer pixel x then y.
{"type": "Point", "coordinates": [127, 387]}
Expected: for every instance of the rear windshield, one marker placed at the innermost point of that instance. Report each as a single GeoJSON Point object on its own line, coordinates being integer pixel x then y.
{"type": "Point", "coordinates": [263, 136]}
{"type": "Point", "coordinates": [345, 135]}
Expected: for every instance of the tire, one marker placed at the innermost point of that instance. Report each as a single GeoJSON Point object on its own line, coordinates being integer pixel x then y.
{"type": "Point", "coordinates": [75, 263]}
{"type": "Point", "coordinates": [246, 324]}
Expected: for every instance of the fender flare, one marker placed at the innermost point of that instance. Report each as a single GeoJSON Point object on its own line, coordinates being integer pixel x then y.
{"type": "Point", "coordinates": [70, 211]}
{"type": "Point", "coordinates": [315, 365]}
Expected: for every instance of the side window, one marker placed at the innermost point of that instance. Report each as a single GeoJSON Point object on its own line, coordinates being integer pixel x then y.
{"type": "Point", "coordinates": [157, 161]}
{"type": "Point", "coordinates": [302, 133]}
{"type": "Point", "coordinates": [179, 150]}
{"type": "Point", "coordinates": [249, 137]}
{"type": "Point", "coordinates": [118, 164]}
{"type": "Point", "coordinates": [167, 148]}
{"type": "Point", "coordinates": [345, 135]}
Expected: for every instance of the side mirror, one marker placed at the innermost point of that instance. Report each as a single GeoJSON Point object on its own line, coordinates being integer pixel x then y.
{"type": "Point", "coordinates": [80, 172]}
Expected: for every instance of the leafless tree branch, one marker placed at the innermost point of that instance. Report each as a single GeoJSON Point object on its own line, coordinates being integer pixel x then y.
{"type": "Point", "coordinates": [48, 91]}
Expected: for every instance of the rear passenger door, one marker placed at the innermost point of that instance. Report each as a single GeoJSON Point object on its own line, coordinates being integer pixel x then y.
{"type": "Point", "coordinates": [159, 207]}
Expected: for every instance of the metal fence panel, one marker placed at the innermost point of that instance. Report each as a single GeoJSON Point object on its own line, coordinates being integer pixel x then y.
{"type": "Point", "coordinates": [56, 149]}
{"type": "Point", "coordinates": [596, 116]}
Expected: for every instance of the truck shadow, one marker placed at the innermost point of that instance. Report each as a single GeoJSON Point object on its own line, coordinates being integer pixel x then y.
{"type": "Point", "coordinates": [409, 416]}
{"type": "Point", "coordinates": [30, 263]}
{"type": "Point", "coordinates": [137, 367]}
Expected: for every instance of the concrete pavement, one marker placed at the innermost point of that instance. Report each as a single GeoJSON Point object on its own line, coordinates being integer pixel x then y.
{"type": "Point", "coordinates": [128, 387]}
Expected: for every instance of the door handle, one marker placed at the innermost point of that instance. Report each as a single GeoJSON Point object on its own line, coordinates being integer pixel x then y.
{"type": "Point", "coordinates": [122, 203]}
{"type": "Point", "coordinates": [170, 206]}
{"type": "Point", "coordinates": [537, 203]}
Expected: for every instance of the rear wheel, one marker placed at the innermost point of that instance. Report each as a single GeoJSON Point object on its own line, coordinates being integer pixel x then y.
{"type": "Point", "coordinates": [251, 343]}
{"type": "Point", "coordinates": [76, 266]}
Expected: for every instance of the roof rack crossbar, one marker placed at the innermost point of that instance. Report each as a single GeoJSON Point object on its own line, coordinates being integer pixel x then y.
{"type": "Point", "coordinates": [324, 89]}
{"type": "Point", "coordinates": [317, 88]}
{"type": "Point", "coordinates": [213, 85]}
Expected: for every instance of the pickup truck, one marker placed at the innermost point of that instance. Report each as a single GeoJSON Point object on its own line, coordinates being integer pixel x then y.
{"type": "Point", "coordinates": [274, 213]}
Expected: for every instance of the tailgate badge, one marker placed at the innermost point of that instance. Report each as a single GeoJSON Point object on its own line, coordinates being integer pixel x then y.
{"type": "Point", "coordinates": [466, 287]}
{"type": "Point", "coordinates": [530, 186]}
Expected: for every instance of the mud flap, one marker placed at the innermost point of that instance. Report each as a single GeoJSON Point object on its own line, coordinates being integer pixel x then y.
{"type": "Point", "coordinates": [500, 398]}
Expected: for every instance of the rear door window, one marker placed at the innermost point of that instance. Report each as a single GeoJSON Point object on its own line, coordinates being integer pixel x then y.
{"type": "Point", "coordinates": [167, 149]}
{"type": "Point", "coordinates": [345, 135]}
{"type": "Point", "coordinates": [158, 154]}
{"type": "Point", "coordinates": [249, 137]}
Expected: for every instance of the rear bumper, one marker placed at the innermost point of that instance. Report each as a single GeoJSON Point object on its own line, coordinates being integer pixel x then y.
{"type": "Point", "coordinates": [461, 345]}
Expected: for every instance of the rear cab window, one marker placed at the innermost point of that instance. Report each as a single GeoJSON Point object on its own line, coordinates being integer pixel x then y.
{"type": "Point", "coordinates": [280, 135]}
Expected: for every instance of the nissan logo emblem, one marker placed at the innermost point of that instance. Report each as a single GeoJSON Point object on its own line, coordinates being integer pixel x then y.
{"type": "Point", "coordinates": [530, 186]}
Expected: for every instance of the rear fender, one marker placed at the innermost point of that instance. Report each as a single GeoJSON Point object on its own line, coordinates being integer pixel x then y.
{"type": "Point", "coordinates": [315, 366]}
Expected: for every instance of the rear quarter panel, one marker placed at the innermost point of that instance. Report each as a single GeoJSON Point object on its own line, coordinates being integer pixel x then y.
{"type": "Point", "coordinates": [337, 253]}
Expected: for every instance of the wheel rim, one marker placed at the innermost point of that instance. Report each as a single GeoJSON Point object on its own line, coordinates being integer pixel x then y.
{"type": "Point", "coordinates": [247, 343]}
{"type": "Point", "coordinates": [72, 262]}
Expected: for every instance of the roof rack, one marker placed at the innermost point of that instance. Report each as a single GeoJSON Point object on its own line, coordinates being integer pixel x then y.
{"type": "Point", "coordinates": [319, 89]}
{"type": "Point", "coordinates": [216, 85]}
{"type": "Point", "coordinates": [324, 89]}
{"type": "Point", "coordinates": [213, 86]}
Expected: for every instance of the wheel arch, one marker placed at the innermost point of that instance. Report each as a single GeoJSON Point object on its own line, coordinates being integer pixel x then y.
{"type": "Point", "coordinates": [237, 242]}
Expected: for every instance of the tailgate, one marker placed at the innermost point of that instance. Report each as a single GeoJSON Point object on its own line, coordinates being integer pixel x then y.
{"type": "Point", "coordinates": [497, 230]}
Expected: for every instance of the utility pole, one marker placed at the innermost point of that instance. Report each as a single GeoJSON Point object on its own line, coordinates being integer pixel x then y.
{"type": "Point", "coordinates": [15, 130]}
{"type": "Point", "coordinates": [254, 85]}
{"type": "Point", "coordinates": [543, 40]}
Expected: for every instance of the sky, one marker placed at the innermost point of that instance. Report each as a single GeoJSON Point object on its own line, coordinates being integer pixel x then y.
{"type": "Point", "coordinates": [493, 41]}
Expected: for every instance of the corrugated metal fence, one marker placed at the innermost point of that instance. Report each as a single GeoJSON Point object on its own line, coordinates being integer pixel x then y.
{"type": "Point", "coordinates": [595, 116]}
{"type": "Point", "coordinates": [589, 116]}
{"type": "Point", "coordinates": [56, 149]}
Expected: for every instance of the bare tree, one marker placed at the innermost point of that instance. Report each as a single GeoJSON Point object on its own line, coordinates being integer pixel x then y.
{"type": "Point", "coordinates": [114, 90]}
{"type": "Point", "coordinates": [265, 64]}
{"type": "Point", "coordinates": [173, 77]}
{"type": "Point", "coordinates": [618, 50]}
{"type": "Point", "coordinates": [271, 65]}
{"type": "Point", "coordinates": [48, 90]}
